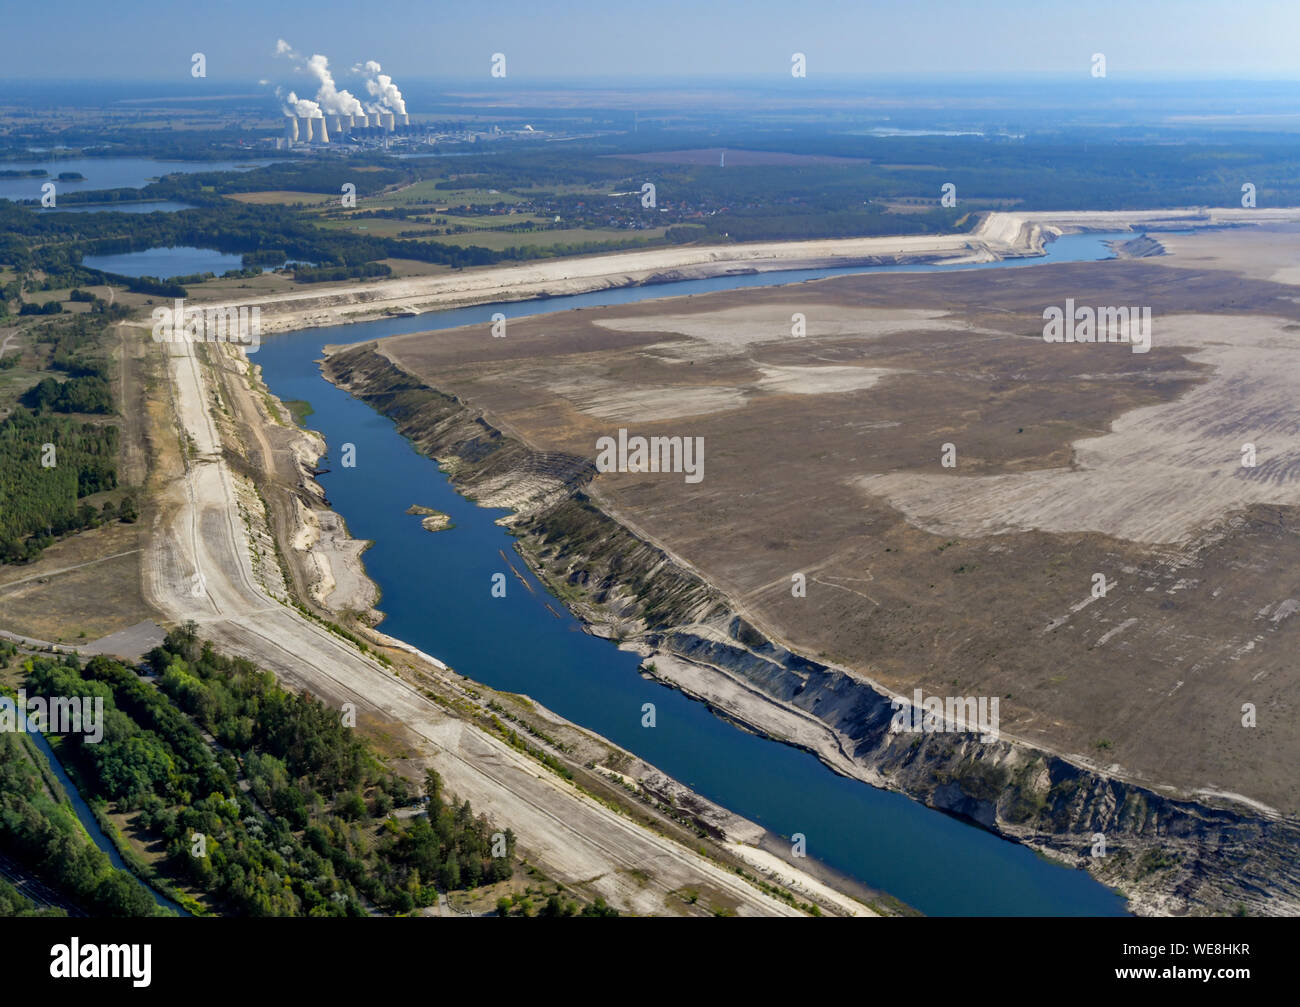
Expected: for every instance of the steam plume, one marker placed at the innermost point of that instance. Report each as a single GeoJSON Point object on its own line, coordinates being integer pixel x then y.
{"type": "Point", "coordinates": [329, 98]}
{"type": "Point", "coordinates": [380, 86]}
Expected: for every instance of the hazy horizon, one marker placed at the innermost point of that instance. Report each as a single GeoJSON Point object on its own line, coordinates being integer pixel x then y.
{"type": "Point", "coordinates": [671, 40]}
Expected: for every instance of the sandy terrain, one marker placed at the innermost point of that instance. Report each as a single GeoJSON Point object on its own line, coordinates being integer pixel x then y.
{"type": "Point", "coordinates": [999, 235]}
{"type": "Point", "coordinates": [1163, 473]}
{"type": "Point", "coordinates": [340, 583]}
{"type": "Point", "coordinates": [824, 458]}
{"type": "Point", "coordinates": [777, 869]}
{"type": "Point", "coordinates": [860, 369]}
{"type": "Point", "coordinates": [355, 302]}
{"type": "Point", "coordinates": [1264, 253]}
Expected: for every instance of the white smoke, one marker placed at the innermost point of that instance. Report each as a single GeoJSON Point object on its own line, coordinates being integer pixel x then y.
{"type": "Point", "coordinates": [329, 98]}
{"type": "Point", "coordinates": [381, 87]}
{"type": "Point", "coordinates": [293, 105]}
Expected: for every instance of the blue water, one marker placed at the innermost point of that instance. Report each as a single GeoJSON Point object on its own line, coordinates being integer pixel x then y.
{"type": "Point", "coordinates": [182, 260]}
{"type": "Point", "coordinates": [436, 593]}
{"type": "Point", "coordinates": [105, 173]}
{"type": "Point", "coordinates": [151, 206]}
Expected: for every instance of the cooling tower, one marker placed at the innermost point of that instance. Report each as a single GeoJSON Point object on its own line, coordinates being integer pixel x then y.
{"type": "Point", "coordinates": [324, 136]}
{"type": "Point", "coordinates": [390, 122]}
{"type": "Point", "coordinates": [363, 120]}
{"type": "Point", "coordinates": [304, 128]}
{"type": "Point", "coordinates": [406, 119]}
{"type": "Point", "coordinates": [291, 129]}
{"type": "Point", "coordinates": [337, 124]}
{"type": "Point", "coordinates": [349, 121]}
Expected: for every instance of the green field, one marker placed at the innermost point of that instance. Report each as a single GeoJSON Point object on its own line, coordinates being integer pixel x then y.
{"type": "Point", "coordinates": [299, 409]}
{"type": "Point", "coordinates": [379, 227]}
{"type": "Point", "coordinates": [283, 197]}
{"type": "Point", "coordinates": [426, 193]}
{"type": "Point", "coordinates": [497, 240]}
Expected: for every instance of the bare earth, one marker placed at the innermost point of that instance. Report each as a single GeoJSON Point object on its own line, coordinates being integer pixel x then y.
{"type": "Point", "coordinates": [823, 458]}
{"type": "Point", "coordinates": [797, 430]}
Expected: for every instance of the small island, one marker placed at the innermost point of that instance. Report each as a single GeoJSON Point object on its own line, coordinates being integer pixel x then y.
{"type": "Point", "coordinates": [432, 520]}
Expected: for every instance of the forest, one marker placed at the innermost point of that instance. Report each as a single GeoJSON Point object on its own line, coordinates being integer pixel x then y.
{"type": "Point", "coordinates": [295, 810]}
{"type": "Point", "coordinates": [14, 903]}
{"type": "Point", "coordinates": [49, 463]}
{"type": "Point", "coordinates": [88, 394]}
{"type": "Point", "coordinates": [810, 198]}
{"type": "Point", "coordinates": [45, 837]}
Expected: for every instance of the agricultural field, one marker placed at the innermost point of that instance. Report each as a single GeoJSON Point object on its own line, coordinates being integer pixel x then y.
{"type": "Point", "coordinates": [498, 240]}
{"type": "Point", "coordinates": [283, 198]}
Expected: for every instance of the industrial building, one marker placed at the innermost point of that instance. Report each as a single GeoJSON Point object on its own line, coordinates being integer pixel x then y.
{"type": "Point", "coordinates": [317, 128]}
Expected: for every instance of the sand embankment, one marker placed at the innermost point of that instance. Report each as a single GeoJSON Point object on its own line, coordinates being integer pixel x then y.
{"type": "Point", "coordinates": [998, 236]}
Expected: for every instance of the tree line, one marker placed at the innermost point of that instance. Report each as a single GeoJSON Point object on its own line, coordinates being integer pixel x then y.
{"type": "Point", "coordinates": [49, 463]}
{"type": "Point", "coordinates": [293, 807]}
{"type": "Point", "coordinates": [46, 838]}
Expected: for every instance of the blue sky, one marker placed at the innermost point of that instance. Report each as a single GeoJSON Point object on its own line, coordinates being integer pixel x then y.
{"type": "Point", "coordinates": [558, 41]}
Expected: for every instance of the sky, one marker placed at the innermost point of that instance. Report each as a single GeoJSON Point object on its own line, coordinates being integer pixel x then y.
{"type": "Point", "coordinates": [555, 41]}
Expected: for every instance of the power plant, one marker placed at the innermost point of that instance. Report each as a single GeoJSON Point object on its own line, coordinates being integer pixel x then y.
{"type": "Point", "coordinates": [309, 121]}
{"type": "Point", "coordinates": [318, 127]}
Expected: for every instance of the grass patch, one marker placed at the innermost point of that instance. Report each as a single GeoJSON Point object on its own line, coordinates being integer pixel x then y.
{"type": "Point", "coordinates": [299, 409]}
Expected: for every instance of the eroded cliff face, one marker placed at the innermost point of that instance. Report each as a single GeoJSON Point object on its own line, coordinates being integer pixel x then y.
{"type": "Point", "coordinates": [1168, 854]}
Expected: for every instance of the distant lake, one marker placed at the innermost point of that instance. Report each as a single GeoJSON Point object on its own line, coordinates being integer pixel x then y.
{"type": "Point", "coordinates": [183, 260]}
{"type": "Point", "coordinates": [105, 173]}
{"type": "Point", "coordinates": [153, 206]}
